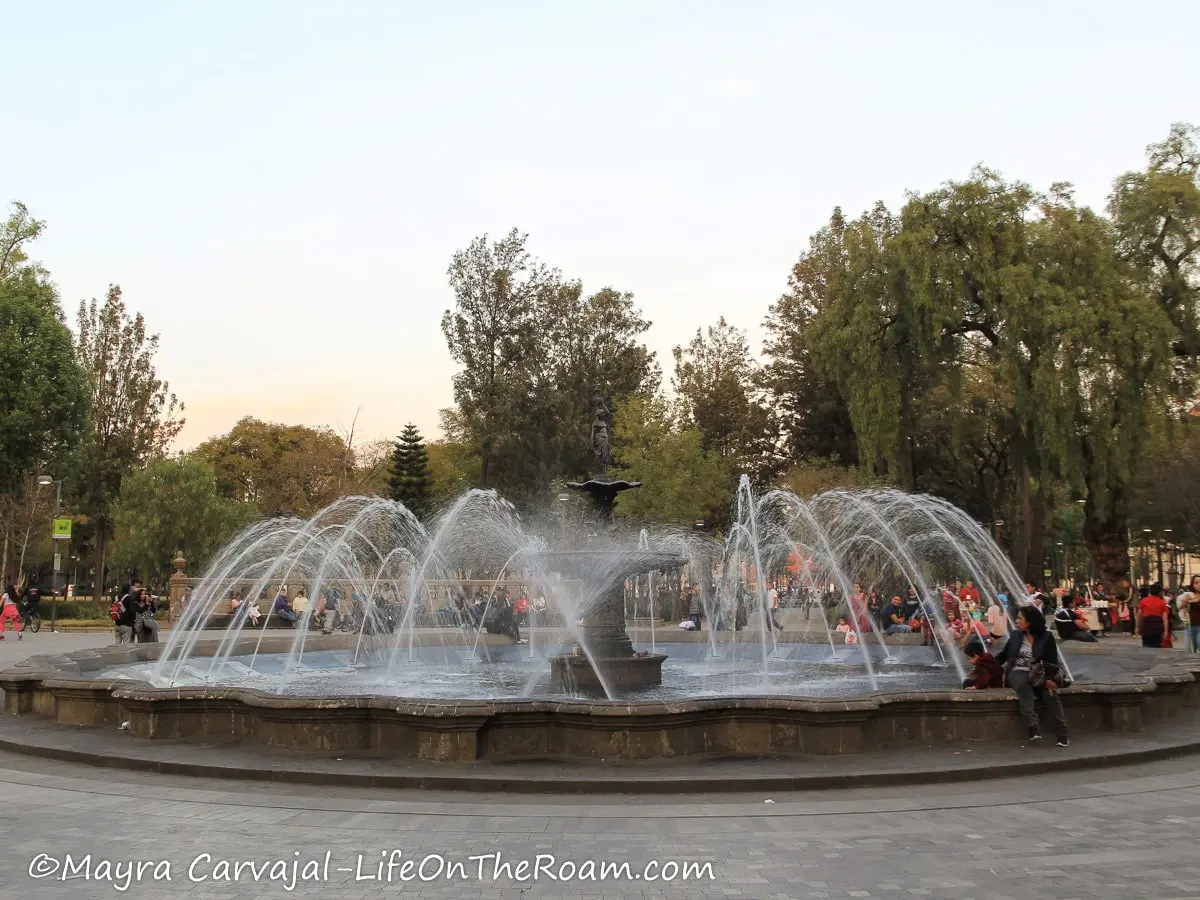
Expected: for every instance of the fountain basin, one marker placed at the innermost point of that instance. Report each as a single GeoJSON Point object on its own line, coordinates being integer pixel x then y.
{"type": "Point", "coordinates": [1121, 689]}
{"type": "Point", "coordinates": [623, 674]}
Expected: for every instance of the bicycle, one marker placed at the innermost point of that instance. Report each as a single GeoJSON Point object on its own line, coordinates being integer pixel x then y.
{"type": "Point", "coordinates": [31, 620]}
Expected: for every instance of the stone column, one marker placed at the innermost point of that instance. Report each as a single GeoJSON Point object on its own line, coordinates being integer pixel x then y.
{"type": "Point", "coordinates": [178, 586]}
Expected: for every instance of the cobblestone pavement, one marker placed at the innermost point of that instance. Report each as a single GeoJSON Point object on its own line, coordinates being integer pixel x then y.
{"type": "Point", "coordinates": [1119, 833]}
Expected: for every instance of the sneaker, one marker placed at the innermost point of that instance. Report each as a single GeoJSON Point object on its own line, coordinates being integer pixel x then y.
{"type": "Point", "coordinates": [1063, 742]}
{"type": "Point", "coordinates": [1034, 735]}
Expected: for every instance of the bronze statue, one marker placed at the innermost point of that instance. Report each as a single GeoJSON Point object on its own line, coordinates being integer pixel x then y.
{"type": "Point", "coordinates": [601, 443]}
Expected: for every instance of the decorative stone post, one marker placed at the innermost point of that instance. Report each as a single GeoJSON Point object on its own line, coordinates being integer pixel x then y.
{"type": "Point", "coordinates": [178, 585]}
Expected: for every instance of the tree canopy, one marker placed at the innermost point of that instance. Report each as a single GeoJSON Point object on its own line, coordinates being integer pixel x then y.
{"type": "Point", "coordinates": [281, 470]}
{"type": "Point", "coordinates": [172, 505]}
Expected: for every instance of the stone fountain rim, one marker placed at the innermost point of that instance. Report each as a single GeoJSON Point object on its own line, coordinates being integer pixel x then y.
{"type": "Point", "coordinates": [64, 672]}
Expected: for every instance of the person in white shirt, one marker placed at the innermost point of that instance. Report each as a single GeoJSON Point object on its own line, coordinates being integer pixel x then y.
{"type": "Point", "coordinates": [773, 608]}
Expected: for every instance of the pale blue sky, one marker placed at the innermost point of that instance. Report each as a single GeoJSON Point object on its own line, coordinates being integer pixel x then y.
{"type": "Point", "coordinates": [279, 186]}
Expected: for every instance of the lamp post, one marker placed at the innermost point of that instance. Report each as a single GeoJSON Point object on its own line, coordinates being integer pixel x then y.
{"type": "Point", "coordinates": [45, 480]}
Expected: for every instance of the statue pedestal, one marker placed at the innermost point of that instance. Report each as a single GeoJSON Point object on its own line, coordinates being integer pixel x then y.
{"type": "Point", "coordinates": [577, 674]}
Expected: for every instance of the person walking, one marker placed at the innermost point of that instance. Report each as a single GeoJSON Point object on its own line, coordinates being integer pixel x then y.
{"type": "Point", "coordinates": [10, 612]}
{"type": "Point", "coordinates": [1153, 617]}
{"type": "Point", "coordinates": [1032, 668]}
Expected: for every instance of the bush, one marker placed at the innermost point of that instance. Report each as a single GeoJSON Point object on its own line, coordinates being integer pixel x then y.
{"type": "Point", "coordinates": [76, 609]}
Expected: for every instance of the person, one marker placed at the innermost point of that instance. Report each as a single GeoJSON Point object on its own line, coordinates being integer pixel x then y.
{"type": "Point", "coordinates": [912, 605]}
{"type": "Point", "coordinates": [1189, 611]}
{"type": "Point", "coordinates": [253, 613]}
{"type": "Point", "coordinates": [501, 619]}
{"type": "Point", "coordinates": [9, 612]}
{"type": "Point", "coordinates": [283, 607]}
{"type": "Point", "coordinates": [1153, 617]}
{"type": "Point", "coordinates": [986, 672]}
{"type": "Point", "coordinates": [897, 620]}
{"type": "Point", "coordinates": [521, 608]}
{"type": "Point", "coordinates": [997, 621]}
{"type": "Point", "coordinates": [127, 617]}
{"type": "Point", "coordinates": [300, 603]}
{"type": "Point", "coordinates": [1125, 616]}
{"type": "Point", "coordinates": [236, 607]}
{"type": "Point", "coordinates": [693, 599]}
{"type": "Point", "coordinates": [1031, 644]}
{"type": "Point", "coordinates": [186, 600]}
{"type": "Point", "coordinates": [1071, 626]}
{"type": "Point", "coordinates": [773, 608]}
{"type": "Point", "coordinates": [145, 624]}
{"type": "Point", "coordinates": [874, 606]}
{"type": "Point", "coordinates": [969, 594]}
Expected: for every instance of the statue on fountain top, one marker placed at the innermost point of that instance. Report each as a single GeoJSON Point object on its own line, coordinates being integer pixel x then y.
{"type": "Point", "coordinates": [601, 443]}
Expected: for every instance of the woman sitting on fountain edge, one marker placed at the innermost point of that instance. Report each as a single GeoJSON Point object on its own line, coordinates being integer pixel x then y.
{"type": "Point", "coordinates": [1031, 644]}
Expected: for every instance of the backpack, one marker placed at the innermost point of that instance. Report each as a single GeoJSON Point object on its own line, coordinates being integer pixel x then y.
{"type": "Point", "coordinates": [114, 611]}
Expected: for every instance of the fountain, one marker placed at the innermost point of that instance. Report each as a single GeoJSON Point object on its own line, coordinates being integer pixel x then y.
{"type": "Point", "coordinates": [422, 669]}
{"type": "Point", "coordinates": [608, 661]}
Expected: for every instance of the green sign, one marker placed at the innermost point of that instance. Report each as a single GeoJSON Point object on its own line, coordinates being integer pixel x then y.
{"type": "Point", "coordinates": [62, 529]}
{"type": "Point", "coordinates": [1046, 572]}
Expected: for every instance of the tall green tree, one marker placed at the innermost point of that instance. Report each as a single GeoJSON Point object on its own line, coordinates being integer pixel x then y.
{"type": "Point", "coordinates": [682, 483]}
{"type": "Point", "coordinates": [173, 505]}
{"type": "Point", "coordinates": [43, 394]}
{"type": "Point", "coordinates": [134, 416]}
{"type": "Point", "coordinates": [282, 470]}
{"type": "Point", "coordinates": [533, 349]}
{"type": "Point", "coordinates": [716, 382]}
{"type": "Point", "coordinates": [411, 481]}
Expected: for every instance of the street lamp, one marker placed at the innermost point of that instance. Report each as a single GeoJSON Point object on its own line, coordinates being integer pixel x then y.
{"type": "Point", "coordinates": [45, 481]}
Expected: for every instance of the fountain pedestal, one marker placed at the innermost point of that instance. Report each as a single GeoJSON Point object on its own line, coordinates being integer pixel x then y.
{"type": "Point", "coordinates": [606, 646]}
{"type": "Point", "coordinates": [607, 663]}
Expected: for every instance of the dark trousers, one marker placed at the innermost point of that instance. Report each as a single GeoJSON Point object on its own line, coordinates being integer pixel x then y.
{"type": "Point", "coordinates": [1027, 697]}
{"type": "Point", "coordinates": [1152, 640]}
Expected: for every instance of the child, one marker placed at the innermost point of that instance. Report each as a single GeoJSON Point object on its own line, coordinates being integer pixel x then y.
{"type": "Point", "coordinates": [987, 672]}
{"type": "Point", "coordinates": [843, 627]}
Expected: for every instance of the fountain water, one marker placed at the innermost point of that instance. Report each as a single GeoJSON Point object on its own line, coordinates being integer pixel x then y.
{"type": "Point", "coordinates": [357, 547]}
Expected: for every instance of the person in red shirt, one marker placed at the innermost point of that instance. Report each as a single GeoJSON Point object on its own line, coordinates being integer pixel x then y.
{"type": "Point", "coordinates": [1153, 618]}
{"type": "Point", "coordinates": [969, 593]}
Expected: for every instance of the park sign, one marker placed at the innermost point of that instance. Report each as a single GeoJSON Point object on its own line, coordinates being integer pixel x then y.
{"type": "Point", "coordinates": [62, 529]}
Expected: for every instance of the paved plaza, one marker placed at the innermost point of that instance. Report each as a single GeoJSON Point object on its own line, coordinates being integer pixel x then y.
{"type": "Point", "coordinates": [1117, 833]}
{"type": "Point", "coordinates": [1072, 832]}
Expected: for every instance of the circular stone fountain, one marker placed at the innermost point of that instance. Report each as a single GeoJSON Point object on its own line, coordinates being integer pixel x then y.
{"type": "Point", "coordinates": [413, 681]}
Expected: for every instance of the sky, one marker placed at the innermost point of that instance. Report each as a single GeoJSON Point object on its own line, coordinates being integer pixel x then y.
{"type": "Point", "coordinates": [279, 186]}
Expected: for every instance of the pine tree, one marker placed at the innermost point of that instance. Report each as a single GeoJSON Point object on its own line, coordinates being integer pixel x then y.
{"type": "Point", "coordinates": [411, 482]}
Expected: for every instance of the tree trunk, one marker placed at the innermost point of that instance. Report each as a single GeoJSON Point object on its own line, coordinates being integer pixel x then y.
{"type": "Point", "coordinates": [101, 556]}
{"type": "Point", "coordinates": [1023, 526]}
{"type": "Point", "coordinates": [1034, 571]}
{"type": "Point", "coordinates": [1108, 542]}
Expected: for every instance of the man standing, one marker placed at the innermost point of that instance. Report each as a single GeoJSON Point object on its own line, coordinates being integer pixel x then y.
{"type": "Point", "coordinates": [127, 617]}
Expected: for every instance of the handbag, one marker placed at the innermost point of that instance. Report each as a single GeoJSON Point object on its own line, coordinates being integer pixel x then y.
{"type": "Point", "coordinates": [1040, 673]}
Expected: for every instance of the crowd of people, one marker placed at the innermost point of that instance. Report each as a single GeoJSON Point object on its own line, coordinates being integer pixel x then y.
{"type": "Point", "coordinates": [133, 615]}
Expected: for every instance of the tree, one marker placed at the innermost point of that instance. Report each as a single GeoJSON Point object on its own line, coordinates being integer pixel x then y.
{"type": "Point", "coordinates": [534, 349]}
{"type": "Point", "coordinates": [681, 482]}
{"type": "Point", "coordinates": [283, 470]}
{"type": "Point", "coordinates": [812, 415]}
{"type": "Point", "coordinates": [453, 467]}
{"type": "Point", "coordinates": [715, 377]}
{"type": "Point", "coordinates": [173, 505]}
{"type": "Point", "coordinates": [410, 481]}
{"type": "Point", "coordinates": [491, 334]}
{"type": "Point", "coordinates": [43, 395]}
{"type": "Point", "coordinates": [18, 230]}
{"type": "Point", "coordinates": [133, 414]}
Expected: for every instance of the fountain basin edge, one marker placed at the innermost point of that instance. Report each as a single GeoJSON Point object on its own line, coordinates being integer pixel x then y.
{"type": "Point", "coordinates": [59, 688]}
